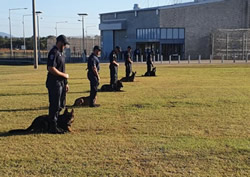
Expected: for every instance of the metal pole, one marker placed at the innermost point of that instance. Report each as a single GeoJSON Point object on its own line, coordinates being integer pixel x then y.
{"type": "Point", "coordinates": [227, 39]}
{"type": "Point", "coordinates": [83, 46]}
{"type": "Point", "coordinates": [24, 37]}
{"type": "Point", "coordinates": [11, 47]}
{"type": "Point", "coordinates": [34, 34]}
{"type": "Point", "coordinates": [39, 53]}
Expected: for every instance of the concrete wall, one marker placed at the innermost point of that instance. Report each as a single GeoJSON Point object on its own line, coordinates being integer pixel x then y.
{"type": "Point", "coordinates": [201, 20]}
{"type": "Point", "coordinates": [144, 19]}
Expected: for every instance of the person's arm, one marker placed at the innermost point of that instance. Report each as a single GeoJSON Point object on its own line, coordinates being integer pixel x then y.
{"type": "Point", "coordinates": [115, 63]}
{"type": "Point", "coordinates": [96, 72]}
{"type": "Point", "coordinates": [56, 72]}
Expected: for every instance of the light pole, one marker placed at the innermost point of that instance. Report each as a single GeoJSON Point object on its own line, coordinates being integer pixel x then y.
{"type": "Point", "coordinates": [39, 44]}
{"type": "Point", "coordinates": [11, 47]}
{"type": "Point", "coordinates": [57, 23]}
{"type": "Point", "coordinates": [24, 44]}
{"type": "Point", "coordinates": [82, 15]}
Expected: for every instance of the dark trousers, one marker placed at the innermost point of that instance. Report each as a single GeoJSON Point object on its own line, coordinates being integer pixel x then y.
{"type": "Point", "coordinates": [113, 75]}
{"type": "Point", "coordinates": [128, 70]}
{"type": "Point", "coordinates": [149, 68]}
{"type": "Point", "coordinates": [57, 98]}
{"type": "Point", "coordinates": [93, 88]}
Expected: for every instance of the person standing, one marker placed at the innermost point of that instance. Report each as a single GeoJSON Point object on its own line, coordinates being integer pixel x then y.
{"type": "Point", "coordinates": [93, 75]}
{"type": "Point", "coordinates": [149, 62]}
{"type": "Point", "coordinates": [128, 62]}
{"type": "Point", "coordinates": [56, 82]}
{"type": "Point", "coordinates": [114, 66]}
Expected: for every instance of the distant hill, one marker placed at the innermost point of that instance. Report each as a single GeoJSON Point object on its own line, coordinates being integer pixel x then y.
{"type": "Point", "coordinates": [2, 34]}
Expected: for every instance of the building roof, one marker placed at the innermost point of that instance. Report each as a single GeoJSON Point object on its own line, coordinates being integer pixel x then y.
{"type": "Point", "coordinates": [196, 2]}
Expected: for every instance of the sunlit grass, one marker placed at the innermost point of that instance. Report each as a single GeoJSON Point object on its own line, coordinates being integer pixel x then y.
{"type": "Point", "coordinates": [190, 120]}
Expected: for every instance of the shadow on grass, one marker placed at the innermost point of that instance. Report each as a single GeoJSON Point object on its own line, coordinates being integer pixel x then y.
{"type": "Point", "coordinates": [24, 109]}
{"type": "Point", "coordinates": [7, 134]}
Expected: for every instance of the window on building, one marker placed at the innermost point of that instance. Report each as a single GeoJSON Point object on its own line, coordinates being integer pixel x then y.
{"type": "Point", "coordinates": [163, 33]}
{"type": "Point", "coordinates": [169, 33]}
{"type": "Point", "coordinates": [175, 33]}
{"type": "Point", "coordinates": [181, 33]}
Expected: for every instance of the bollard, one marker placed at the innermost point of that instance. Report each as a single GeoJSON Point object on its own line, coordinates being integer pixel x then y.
{"type": "Point", "coordinates": [211, 57]}
{"type": "Point", "coordinates": [222, 59]}
{"type": "Point", "coordinates": [179, 59]}
{"type": "Point", "coordinates": [142, 58]}
{"type": "Point", "coordinates": [247, 58]}
{"type": "Point", "coordinates": [158, 57]}
{"type": "Point", "coordinates": [161, 58]}
{"type": "Point", "coordinates": [137, 58]}
{"type": "Point", "coordinates": [199, 59]}
{"type": "Point", "coordinates": [154, 58]}
{"type": "Point", "coordinates": [169, 59]}
{"type": "Point", "coordinates": [234, 58]}
{"type": "Point", "coordinates": [189, 58]}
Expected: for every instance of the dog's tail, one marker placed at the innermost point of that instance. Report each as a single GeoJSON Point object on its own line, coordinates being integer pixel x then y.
{"type": "Point", "coordinates": [21, 131]}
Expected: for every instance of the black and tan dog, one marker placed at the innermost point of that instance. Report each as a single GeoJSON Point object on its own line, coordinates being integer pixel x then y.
{"type": "Point", "coordinates": [129, 79]}
{"type": "Point", "coordinates": [41, 124]}
{"type": "Point", "coordinates": [82, 101]}
{"type": "Point", "coordinates": [151, 73]}
{"type": "Point", "coordinates": [108, 88]}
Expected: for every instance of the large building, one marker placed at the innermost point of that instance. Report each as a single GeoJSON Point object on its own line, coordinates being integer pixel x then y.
{"type": "Point", "coordinates": [181, 29]}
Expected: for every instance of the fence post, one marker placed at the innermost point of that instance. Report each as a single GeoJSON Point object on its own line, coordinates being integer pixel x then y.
{"type": "Point", "coordinates": [211, 57]}
{"type": "Point", "coordinates": [169, 59]}
{"type": "Point", "coordinates": [199, 59]}
{"type": "Point", "coordinates": [179, 59]}
{"type": "Point", "coordinates": [189, 58]}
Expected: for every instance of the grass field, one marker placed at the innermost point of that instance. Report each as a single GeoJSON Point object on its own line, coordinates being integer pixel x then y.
{"type": "Point", "coordinates": [190, 120]}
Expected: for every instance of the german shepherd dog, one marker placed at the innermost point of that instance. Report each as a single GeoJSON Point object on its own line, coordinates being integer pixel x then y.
{"type": "Point", "coordinates": [108, 88]}
{"type": "Point", "coordinates": [151, 73]}
{"type": "Point", "coordinates": [130, 78]}
{"type": "Point", "coordinates": [82, 101]}
{"type": "Point", "coordinates": [41, 124]}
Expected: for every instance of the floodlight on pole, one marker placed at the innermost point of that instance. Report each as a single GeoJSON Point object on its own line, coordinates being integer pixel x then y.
{"type": "Point", "coordinates": [82, 15]}
{"type": "Point", "coordinates": [59, 22]}
{"type": "Point", "coordinates": [11, 46]}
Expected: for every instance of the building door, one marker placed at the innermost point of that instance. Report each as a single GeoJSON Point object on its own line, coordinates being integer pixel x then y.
{"type": "Point", "coordinates": [172, 49]}
{"type": "Point", "coordinates": [107, 43]}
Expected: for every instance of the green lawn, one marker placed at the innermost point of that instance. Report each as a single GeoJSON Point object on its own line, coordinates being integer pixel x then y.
{"type": "Point", "coordinates": [190, 120]}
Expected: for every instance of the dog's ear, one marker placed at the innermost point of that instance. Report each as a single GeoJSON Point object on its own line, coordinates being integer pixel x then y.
{"type": "Point", "coordinates": [66, 111]}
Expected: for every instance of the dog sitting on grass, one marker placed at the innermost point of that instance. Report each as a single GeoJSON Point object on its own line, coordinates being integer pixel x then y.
{"type": "Point", "coordinates": [151, 73]}
{"type": "Point", "coordinates": [41, 124]}
{"type": "Point", "coordinates": [129, 79]}
{"type": "Point", "coordinates": [82, 101]}
{"type": "Point", "coordinates": [109, 88]}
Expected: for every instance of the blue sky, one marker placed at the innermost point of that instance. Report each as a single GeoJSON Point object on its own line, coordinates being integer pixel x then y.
{"type": "Point", "coordinates": [64, 10]}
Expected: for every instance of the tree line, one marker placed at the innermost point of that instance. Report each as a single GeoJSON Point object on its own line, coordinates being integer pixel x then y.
{"type": "Point", "coordinates": [18, 42]}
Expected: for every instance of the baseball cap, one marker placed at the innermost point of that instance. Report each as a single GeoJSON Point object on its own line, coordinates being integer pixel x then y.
{"type": "Point", "coordinates": [63, 39]}
{"type": "Point", "coordinates": [118, 48]}
{"type": "Point", "coordinates": [97, 48]}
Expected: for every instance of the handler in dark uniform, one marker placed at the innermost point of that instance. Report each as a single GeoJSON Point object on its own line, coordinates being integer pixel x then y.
{"type": "Point", "coordinates": [93, 75]}
{"type": "Point", "coordinates": [128, 62]}
{"type": "Point", "coordinates": [56, 82]}
{"type": "Point", "coordinates": [149, 62]}
{"type": "Point", "coordinates": [114, 66]}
